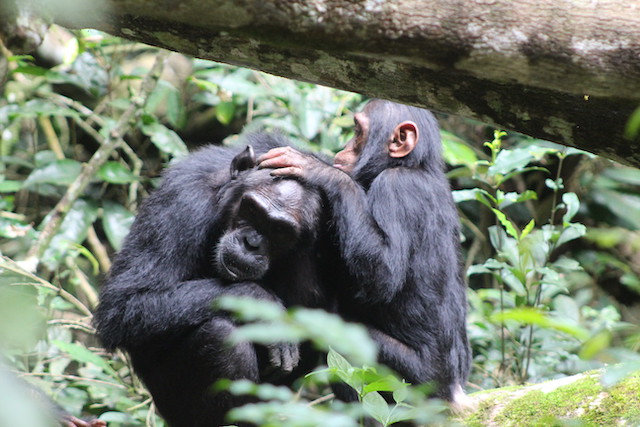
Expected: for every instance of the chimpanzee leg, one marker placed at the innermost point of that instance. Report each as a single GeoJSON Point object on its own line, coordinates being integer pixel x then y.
{"type": "Point", "coordinates": [181, 378]}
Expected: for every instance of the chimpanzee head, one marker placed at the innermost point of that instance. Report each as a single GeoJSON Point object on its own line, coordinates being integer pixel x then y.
{"type": "Point", "coordinates": [390, 135]}
{"type": "Point", "coordinates": [268, 220]}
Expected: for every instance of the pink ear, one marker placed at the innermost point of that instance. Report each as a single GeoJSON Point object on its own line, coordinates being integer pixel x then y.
{"type": "Point", "coordinates": [403, 140]}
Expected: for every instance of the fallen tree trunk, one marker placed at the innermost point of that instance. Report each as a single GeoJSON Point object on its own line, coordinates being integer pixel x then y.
{"type": "Point", "coordinates": [563, 71]}
{"type": "Point", "coordinates": [580, 397]}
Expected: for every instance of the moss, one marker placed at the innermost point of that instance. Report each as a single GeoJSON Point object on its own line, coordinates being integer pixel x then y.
{"type": "Point", "coordinates": [580, 398]}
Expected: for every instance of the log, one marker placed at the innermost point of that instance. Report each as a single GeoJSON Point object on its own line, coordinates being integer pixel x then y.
{"type": "Point", "coordinates": [565, 71]}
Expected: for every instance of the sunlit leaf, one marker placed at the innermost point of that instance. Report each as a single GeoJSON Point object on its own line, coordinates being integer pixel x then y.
{"type": "Point", "coordinates": [595, 345]}
{"type": "Point", "coordinates": [10, 186]}
{"type": "Point", "coordinates": [455, 151]}
{"type": "Point", "coordinates": [167, 99]}
{"type": "Point", "coordinates": [625, 206]}
{"type": "Point", "coordinates": [376, 406]}
{"type": "Point", "coordinates": [73, 230]}
{"type": "Point", "coordinates": [60, 172]}
{"type": "Point", "coordinates": [572, 232]}
{"type": "Point", "coordinates": [165, 139]}
{"type": "Point", "coordinates": [531, 316]}
{"type": "Point", "coordinates": [84, 355]}
{"type": "Point", "coordinates": [225, 111]}
{"type": "Point", "coordinates": [572, 205]}
{"type": "Point", "coordinates": [510, 160]}
{"type": "Point", "coordinates": [632, 129]}
{"type": "Point", "coordinates": [624, 175]}
{"type": "Point", "coordinates": [508, 225]}
{"type": "Point", "coordinates": [527, 229]}
{"type": "Point", "coordinates": [263, 391]}
{"type": "Point", "coordinates": [115, 173]}
{"type": "Point", "coordinates": [116, 222]}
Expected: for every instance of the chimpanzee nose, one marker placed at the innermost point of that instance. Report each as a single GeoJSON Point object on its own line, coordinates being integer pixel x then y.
{"type": "Point", "coordinates": [253, 241]}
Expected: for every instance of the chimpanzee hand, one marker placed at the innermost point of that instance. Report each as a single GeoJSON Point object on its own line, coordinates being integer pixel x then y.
{"type": "Point", "coordinates": [287, 161]}
{"type": "Point", "coordinates": [284, 356]}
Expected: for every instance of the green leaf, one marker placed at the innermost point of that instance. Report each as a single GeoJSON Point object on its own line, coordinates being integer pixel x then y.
{"type": "Point", "coordinates": [326, 329]}
{"type": "Point", "coordinates": [115, 173]}
{"type": "Point", "coordinates": [508, 225]}
{"type": "Point", "coordinates": [60, 172]}
{"type": "Point", "coordinates": [509, 278]}
{"type": "Point", "coordinates": [632, 130]}
{"type": "Point", "coordinates": [168, 100]}
{"type": "Point", "coordinates": [73, 230]}
{"type": "Point", "coordinates": [572, 204]}
{"type": "Point", "coordinates": [386, 383]}
{"type": "Point", "coordinates": [531, 316]}
{"type": "Point", "coordinates": [263, 391]}
{"type": "Point", "coordinates": [401, 393]}
{"type": "Point", "coordinates": [9, 186]}
{"type": "Point", "coordinates": [554, 185]}
{"type": "Point", "coordinates": [595, 345]}
{"type": "Point", "coordinates": [310, 118]}
{"type": "Point", "coordinates": [486, 198]}
{"type": "Point", "coordinates": [465, 195]}
{"type": "Point", "coordinates": [165, 139]}
{"type": "Point", "coordinates": [83, 355]}
{"type": "Point", "coordinates": [377, 407]}
{"type": "Point", "coordinates": [523, 170]}
{"type": "Point", "coordinates": [336, 361]}
{"type": "Point", "coordinates": [572, 232]}
{"type": "Point", "coordinates": [250, 309]}
{"type": "Point", "coordinates": [31, 70]}
{"type": "Point", "coordinates": [510, 160]}
{"type": "Point", "coordinates": [625, 205]}
{"type": "Point", "coordinates": [624, 175]}
{"type": "Point", "coordinates": [455, 151]}
{"type": "Point", "coordinates": [528, 229]}
{"type": "Point", "coordinates": [38, 107]}
{"type": "Point", "coordinates": [225, 111]}
{"type": "Point", "coordinates": [116, 221]}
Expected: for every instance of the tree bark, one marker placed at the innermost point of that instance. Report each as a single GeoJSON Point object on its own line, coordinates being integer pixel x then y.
{"type": "Point", "coordinates": [566, 71]}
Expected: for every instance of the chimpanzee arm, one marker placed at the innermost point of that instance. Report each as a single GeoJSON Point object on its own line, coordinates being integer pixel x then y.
{"type": "Point", "coordinates": [150, 284]}
{"type": "Point", "coordinates": [371, 226]}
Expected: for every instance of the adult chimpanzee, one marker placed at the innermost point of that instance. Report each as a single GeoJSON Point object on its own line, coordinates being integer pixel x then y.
{"type": "Point", "coordinates": [216, 226]}
{"type": "Point", "coordinates": [396, 227]}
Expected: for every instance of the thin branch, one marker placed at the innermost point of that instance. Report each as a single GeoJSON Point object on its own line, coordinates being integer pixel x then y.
{"type": "Point", "coordinates": [98, 249]}
{"type": "Point", "coordinates": [112, 142]}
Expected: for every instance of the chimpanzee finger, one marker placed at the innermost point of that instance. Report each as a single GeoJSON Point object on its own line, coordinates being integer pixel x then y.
{"type": "Point", "coordinates": [284, 356]}
{"type": "Point", "coordinates": [288, 171]}
{"type": "Point", "coordinates": [273, 153]}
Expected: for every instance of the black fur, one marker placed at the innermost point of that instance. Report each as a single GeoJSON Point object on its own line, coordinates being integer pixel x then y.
{"type": "Point", "coordinates": [397, 232]}
{"type": "Point", "coordinates": [156, 302]}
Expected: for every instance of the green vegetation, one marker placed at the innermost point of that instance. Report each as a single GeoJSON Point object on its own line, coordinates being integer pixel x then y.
{"type": "Point", "coordinates": [550, 241]}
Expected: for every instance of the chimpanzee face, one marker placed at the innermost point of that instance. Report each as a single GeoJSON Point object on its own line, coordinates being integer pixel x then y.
{"type": "Point", "coordinates": [269, 219]}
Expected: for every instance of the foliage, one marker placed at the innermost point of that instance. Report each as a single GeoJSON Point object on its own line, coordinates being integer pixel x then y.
{"type": "Point", "coordinates": [550, 236]}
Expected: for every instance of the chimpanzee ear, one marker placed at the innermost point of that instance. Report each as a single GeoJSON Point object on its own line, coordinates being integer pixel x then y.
{"type": "Point", "coordinates": [243, 161]}
{"type": "Point", "coordinates": [403, 140]}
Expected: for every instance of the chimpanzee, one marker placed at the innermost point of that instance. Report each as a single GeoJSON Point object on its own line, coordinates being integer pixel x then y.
{"type": "Point", "coordinates": [397, 231]}
{"type": "Point", "coordinates": [216, 226]}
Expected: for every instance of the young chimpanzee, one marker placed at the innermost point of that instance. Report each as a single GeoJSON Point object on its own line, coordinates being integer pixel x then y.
{"type": "Point", "coordinates": [216, 226]}
{"type": "Point", "coordinates": [396, 228]}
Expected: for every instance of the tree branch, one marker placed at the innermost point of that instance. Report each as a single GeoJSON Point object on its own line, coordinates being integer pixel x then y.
{"type": "Point", "coordinates": [563, 71]}
{"type": "Point", "coordinates": [108, 145]}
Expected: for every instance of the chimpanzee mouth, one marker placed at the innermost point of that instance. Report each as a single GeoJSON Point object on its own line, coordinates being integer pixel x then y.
{"type": "Point", "coordinates": [234, 270]}
{"type": "Point", "coordinates": [227, 271]}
